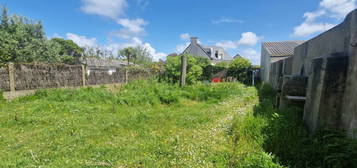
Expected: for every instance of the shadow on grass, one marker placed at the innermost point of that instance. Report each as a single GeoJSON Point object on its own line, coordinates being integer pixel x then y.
{"type": "Point", "coordinates": [286, 136]}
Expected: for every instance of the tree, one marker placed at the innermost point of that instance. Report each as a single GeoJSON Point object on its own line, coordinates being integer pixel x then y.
{"type": "Point", "coordinates": [241, 69]}
{"type": "Point", "coordinates": [129, 54]}
{"type": "Point", "coordinates": [24, 40]}
{"type": "Point", "coordinates": [173, 65]}
{"type": "Point", "coordinates": [69, 52]}
{"type": "Point", "coordinates": [4, 19]}
{"type": "Point", "coordinates": [142, 56]}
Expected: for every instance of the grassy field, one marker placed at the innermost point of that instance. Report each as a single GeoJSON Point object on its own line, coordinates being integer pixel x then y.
{"type": "Point", "coordinates": [143, 124]}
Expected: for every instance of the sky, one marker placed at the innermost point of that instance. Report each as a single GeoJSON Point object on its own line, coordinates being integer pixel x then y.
{"type": "Point", "coordinates": [165, 26]}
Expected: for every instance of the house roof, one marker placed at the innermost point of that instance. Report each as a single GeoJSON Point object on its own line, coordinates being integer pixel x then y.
{"type": "Point", "coordinates": [206, 51]}
{"type": "Point", "coordinates": [101, 62]}
{"type": "Point", "coordinates": [281, 48]}
{"type": "Point", "coordinates": [237, 56]}
{"type": "Point", "coordinates": [226, 56]}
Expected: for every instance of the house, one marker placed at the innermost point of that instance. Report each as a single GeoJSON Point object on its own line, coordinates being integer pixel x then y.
{"type": "Point", "coordinates": [237, 56]}
{"type": "Point", "coordinates": [213, 53]}
{"type": "Point", "coordinates": [273, 52]}
{"type": "Point", "coordinates": [102, 64]}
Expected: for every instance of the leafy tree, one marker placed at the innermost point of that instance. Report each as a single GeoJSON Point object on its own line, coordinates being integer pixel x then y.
{"type": "Point", "coordinates": [24, 40]}
{"type": "Point", "coordinates": [142, 56]}
{"type": "Point", "coordinates": [173, 69]}
{"type": "Point", "coordinates": [69, 51]}
{"type": "Point", "coordinates": [129, 54]}
{"type": "Point", "coordinates": [241, 69]}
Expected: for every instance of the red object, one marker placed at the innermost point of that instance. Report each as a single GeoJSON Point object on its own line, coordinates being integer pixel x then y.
{"type": "Point", "coordinates": [216, 80]}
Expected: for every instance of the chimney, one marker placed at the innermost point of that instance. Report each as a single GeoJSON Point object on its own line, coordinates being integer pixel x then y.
{"type": "Point", "coordinates": [194, 40]}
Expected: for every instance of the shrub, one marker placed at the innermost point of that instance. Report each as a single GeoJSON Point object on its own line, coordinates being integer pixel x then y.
{"type": "Point", "coordinates": [241, 69]}
{"type": "Point", "coordinates": [194, 69]}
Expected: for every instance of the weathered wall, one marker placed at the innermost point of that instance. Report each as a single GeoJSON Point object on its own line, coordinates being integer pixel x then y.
{"type": "Point", "coordinates": [276, 74]}
{"type": "Point", "coordinates": [40, 76]}
{"type": "Point", "coordinates": [136, 74]}
{"type": "Point", "coordinates": [4, 79]}
{"type": "Point", "coordinates": [265, 65]}
{"type": "Point", "coordinates": [43, 76]}
{"type": "Point", "coordinates": [105, 76]}
{"type": "Point", "coordinates": [329, 61]}
{"type": "Point", "coordinates": [336, 40]}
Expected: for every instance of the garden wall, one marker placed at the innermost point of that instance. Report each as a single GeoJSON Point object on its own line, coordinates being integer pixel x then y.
{"type": "Point", "coordinates": [4, 79]}
{"type": "Point", "coordinates": [43, 76]}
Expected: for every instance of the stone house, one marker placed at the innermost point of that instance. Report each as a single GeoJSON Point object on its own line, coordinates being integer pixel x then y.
{"type": "Point", "coordinates": [213, 53]}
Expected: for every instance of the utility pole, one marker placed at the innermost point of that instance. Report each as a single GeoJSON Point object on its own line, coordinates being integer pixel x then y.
{"type": "Point", "coordinates": [183, 70]}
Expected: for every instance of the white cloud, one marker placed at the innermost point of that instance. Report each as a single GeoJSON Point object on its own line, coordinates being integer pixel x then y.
{"type": "Point", "coordinates": [134, 42]}
{"type": "Point", "coordinates": [311, 16]}
{"type": "Point", "coordinates": [82, 41]}
{"type": "Point", "coordinates": [306, 28]}
{"type": "Point", "coordinates": [252, 55]}
{"type": "Point", "coordinates": [131, 28]}
{"type": "Point", "coordinates": [227, 44]}
{"type": "Point", "coordinates": [185, 36]}
{"type": "Point", "coordinates": [181, 47]}
{"type": "Point", "coordinates": [226, 20]}
{"type": "Point", "coordinates": [107, 8]}
{"type": "Point", "coordinates": [247, 39]}
{"type": "Point", "coordinates": [337, 9]}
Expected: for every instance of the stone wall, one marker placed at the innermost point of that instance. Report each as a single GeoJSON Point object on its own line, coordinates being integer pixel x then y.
{"type": "Point", "coordinates": [43, 76]}
{"type": "Point", "coordinates": [40, 76]}
{"type": "Point", "coordinates": [136, 74]}
{"type": "Point", "coordinates": [4, 79]}
{"type": "Point", "coordinates": [99, 76]}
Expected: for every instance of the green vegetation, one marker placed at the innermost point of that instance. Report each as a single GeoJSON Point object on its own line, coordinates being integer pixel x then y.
{"type": "Point", "coordinates": [241, 69]}
{"type": "Point", "coordinates": [283, 134]}
{"type": "Point", "coordinates": [142, 124]}
{"type": "Point", "coordinates": [195, 67]}
{"type": "Point", "coordinates": [24, 40]}
{"type": "Point", "coordinates": [1, 96]}
{"type": "Point", "coordinates": [138, 55]}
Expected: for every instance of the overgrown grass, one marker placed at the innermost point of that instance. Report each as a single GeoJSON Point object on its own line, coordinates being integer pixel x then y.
{"type": "Point", "coordinates": [283, 134]}
{"type": "Point", "coordinates": [142, 124]}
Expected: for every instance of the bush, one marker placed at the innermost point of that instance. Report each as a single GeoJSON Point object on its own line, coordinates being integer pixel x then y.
{"type": "Point", "coordinates": [195, 67]}
{"type": "Point", "coordinates": [241, 69]}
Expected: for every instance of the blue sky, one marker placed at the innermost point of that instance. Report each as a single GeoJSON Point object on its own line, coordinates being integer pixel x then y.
{"type": "Point", "coordinates": [164, 26]}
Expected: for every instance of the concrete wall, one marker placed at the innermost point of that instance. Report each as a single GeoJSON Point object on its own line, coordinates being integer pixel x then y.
{"type": "Point", "coordinates": [38, 76]}
{"type": "Point", "coordinates": [330, 63]}
{"type": "Point", "coordinates": [265, 65]}
{"type": "Point", "coordinates": [4, 79]}
{"type": "Point", "coordinates": [104, 76]}
{"type": "Point", "coordinates": [43, 76]}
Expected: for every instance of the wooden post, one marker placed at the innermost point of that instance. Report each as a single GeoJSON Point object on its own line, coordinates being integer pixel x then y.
{"type": "Point", "coordinates": [84, 71]}
{"type": "Point", "coordinates": [11, 77]}
{"type": "Point", "coordinates": [183, 70]}
{"type": "Point", "coordinates": [126, 76]}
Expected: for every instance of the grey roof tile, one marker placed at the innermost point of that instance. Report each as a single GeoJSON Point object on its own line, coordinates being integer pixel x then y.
{"type": "Point", "coordinates": [281, 48]}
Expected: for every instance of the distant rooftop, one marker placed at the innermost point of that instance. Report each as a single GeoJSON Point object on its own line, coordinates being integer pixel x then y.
{"type": "Point", "coordinates": [281, 48]}
{"type": "Point", "coordinates": [102, 62]}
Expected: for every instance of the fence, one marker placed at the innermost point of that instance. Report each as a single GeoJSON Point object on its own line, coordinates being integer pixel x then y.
{"type": "Point", "coordinates": [43, 76]}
